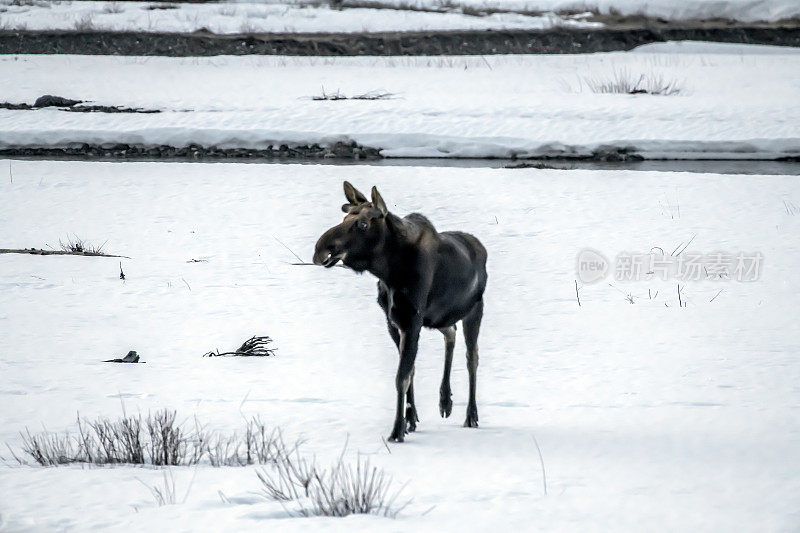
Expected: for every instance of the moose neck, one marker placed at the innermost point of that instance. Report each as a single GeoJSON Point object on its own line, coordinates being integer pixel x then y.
{"type": "Point", "coordinates": [386, 261]}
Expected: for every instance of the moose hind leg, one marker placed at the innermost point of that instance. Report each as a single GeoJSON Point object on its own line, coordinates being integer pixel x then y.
{"type": "Point", "coordinates": [472, 326]}
{"type": "Point", "coordinates": [445, 394]}
{"type": "Point", "coordinates": [411, 408]}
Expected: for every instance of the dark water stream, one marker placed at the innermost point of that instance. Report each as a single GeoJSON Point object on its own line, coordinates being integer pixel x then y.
{"type": "Point", "coordinates": [703, 167]}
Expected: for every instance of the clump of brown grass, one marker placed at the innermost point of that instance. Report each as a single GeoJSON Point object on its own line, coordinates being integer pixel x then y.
{"type": "Point", "coordinates": [340, 490]}
{"type": "Point", "coordinates": [157, 439]}
{"type": "Point", "coordinates": [624, 82]}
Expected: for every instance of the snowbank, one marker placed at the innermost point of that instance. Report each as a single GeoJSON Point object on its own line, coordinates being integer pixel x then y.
{"type": "Point", "coordinates": [257, 18]}
{"type": "Point", "coordinates": [743, 10]}
{"type": "Point", "coordinates": [732, 103]}
{"type": "Point", "coordinates": [302, 17]}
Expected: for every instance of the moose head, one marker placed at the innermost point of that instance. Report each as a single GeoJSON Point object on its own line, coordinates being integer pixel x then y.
{"type": "Point", "coordinates": [361, 235]}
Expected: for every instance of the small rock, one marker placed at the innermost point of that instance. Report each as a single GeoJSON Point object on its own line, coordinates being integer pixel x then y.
{"type": "Point", "coordinates": [49, 100]}
{"type": "Point", "coordinates": [132, 357]}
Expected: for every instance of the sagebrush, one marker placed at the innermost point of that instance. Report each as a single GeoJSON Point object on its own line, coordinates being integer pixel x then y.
{"type": "Point", "coordinates": [78, 245]}
{"type": "Point", "coordinates": [625, 82]}
{"type": "Point", "coordinates": [158, 439]}
{"type": "Point", "coordinates": [340, 490]}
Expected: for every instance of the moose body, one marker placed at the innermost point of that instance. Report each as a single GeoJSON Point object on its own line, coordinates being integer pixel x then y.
{"type": "Point", "coordinates": [425, 279]}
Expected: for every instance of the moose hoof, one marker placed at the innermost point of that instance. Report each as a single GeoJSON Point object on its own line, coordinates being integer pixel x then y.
{"type": "Point", "coordinates": [445, 404]}
{"type": "Point", "coordinates": [472, 418]}
{"type": "Point", "coordinates": [471, 422]}
{"type": "Point", "coordinates": [411, 419]}
{"type": "Point", "coordinates": [399, 432]}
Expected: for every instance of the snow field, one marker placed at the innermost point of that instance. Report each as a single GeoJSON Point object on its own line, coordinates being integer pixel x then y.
{"type": "Point", "coordinates": [678, 418]}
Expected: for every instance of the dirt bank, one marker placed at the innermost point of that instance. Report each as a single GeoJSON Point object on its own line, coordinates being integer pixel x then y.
{"type": "Point", "coordinates": [85, 151]}
{"type": "Point", "coordinates": [620, 34]}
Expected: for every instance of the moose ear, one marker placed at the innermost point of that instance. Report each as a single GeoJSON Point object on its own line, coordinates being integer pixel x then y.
{"type": "Point", "coordinates": [378, 202]}
{"type": "Point", "coordinates": [353, 195]}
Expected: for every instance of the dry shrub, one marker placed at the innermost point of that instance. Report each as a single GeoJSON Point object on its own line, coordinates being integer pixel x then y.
{"type": "Point", "coordinates": [157, 439]}
{"type": "Point", "coordinates": [341, 490]}
{"type": "Point", "coordinates": [623, 82]}
{"type": "Point", "coordinates": [77, 245]}
{"type": "Point", "coordinates": [253, 347]}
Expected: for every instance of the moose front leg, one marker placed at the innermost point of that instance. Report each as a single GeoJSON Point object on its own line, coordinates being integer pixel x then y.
{"type": "Point", "coordinates": [409, 338]}
{"type": "Point", "coordinates": [411, 410]}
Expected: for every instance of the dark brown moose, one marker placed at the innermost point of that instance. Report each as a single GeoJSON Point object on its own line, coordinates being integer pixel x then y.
{"type": "Point", "coordinates": [426, 278]}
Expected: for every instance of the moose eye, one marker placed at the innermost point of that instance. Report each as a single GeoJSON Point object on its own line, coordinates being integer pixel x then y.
{"type": "Point", "coordinates": [363, 225]}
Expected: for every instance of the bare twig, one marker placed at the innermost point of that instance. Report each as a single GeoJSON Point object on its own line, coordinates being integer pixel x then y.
{"type": "Point", "coordinates": [330, 96]}
{"type": "Point", "coordinates": [684, 248]}
{"type": "Point", "coordinates": [244, 400]}
{"type": "Point", "coordinates": [187, 284]}
{"type": "Point", "coordinates": [715, 296]}
{"type": "Point", "coordinates": [313, 265]}
{"type": "Point", "coordinates": [252, 347]}
{"type": "Point", "coordinates": [290, 250]}
{"type": "Point", "coordinates": [374, 95]}
{"type": "Point", "coordinates": [338, 95]}
{"type": "Point", "coordinates": [541, 461]}
{"type": "Point", "coordinates": [577, 295]}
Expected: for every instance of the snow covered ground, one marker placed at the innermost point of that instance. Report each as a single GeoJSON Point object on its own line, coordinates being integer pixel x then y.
{"type": "Point", "coordinates": [259, 18]}
{"type": "Point", "coordinates": [744, 10]}
{"type": "Point", "coordinates": [735, 101]}
{"type": "Point", "coordinates": [648, 415]}
{"type": "Point", "coordinates": [303, 16]}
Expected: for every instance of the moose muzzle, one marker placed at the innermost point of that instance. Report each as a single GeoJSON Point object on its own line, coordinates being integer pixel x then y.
{"type": "Point", "coordinates": [327, 251]}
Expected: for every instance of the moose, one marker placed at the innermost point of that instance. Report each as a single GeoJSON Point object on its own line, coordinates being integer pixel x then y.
{"type": "Point", "coordinates": [425, 278]}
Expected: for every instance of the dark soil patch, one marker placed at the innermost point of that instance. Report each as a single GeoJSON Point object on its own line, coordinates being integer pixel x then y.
{"type": "Point", "coordinates": [347, 151]}
{"type": "Point", "coordinates": [108, 109]}
{"type": "Point", "coordinates": [38, 251]}
{"type": "Point", "coordinates": [79, 108]}
{"type": "Point", "coordinates": [337, 152]}
{"type": "Point", "coordinates": [16, 107]}
{"type": "Point", "coordinates": [539, 165]}
{"type": "Point", "coordinates": [624, 33]}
